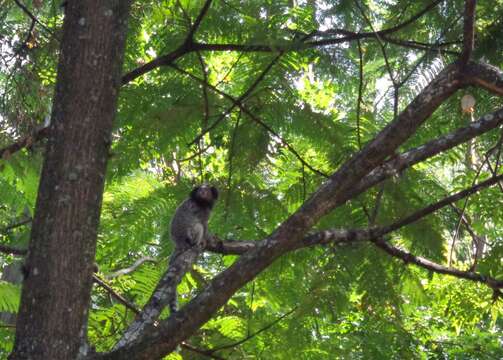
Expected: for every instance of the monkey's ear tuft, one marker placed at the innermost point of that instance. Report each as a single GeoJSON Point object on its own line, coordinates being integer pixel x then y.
{"type": "Point", "coordinates": [214, 192]}
{"type": "Point", "coordinates": [193, 193]}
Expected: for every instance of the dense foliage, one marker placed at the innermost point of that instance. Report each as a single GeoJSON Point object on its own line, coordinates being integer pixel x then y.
{"type": "Point", "coordinates": [270, 105]}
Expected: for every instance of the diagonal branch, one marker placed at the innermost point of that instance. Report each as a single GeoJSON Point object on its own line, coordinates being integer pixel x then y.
{"type": "Point", "coordinates": [164, 60]}
{"type": "Point", "coordinates": [359, 235]}
{"type": "Point", "coordinates": [186, 47]}
{"type": "Point", "coordinates": [31, 16]}
{"type": "Point", "coordinates": [438, 205]}
{"type": "Point", "coordinates": [16, 225]}
{"type": "Point", "coordinates": [115, 294]}
{"type": "Point", "coordinates": [407, 257]}
{"type": "Point", "coordinates": [197, 22]}
{"type": "Point", "coordinates": [400, 162]}
{"type": "Point", "coordinates": [388, 169]}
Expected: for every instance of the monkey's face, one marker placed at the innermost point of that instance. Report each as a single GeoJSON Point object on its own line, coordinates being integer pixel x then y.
{"type": "Point", "coordinates": [205, 194]}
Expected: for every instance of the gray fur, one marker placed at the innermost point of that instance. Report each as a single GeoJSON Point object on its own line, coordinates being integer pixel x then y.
{"type": "Point", "coordinates": [189, 232]}
{"type": "Point", "coordinates": [189, 226]}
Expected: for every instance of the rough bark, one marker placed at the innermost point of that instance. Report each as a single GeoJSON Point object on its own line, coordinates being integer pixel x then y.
{"type": "Point", "coordinates": [59, 265]}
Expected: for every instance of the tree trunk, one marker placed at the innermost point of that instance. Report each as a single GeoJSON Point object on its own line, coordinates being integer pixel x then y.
{"type": "Point", "coordinates": [58, 269]}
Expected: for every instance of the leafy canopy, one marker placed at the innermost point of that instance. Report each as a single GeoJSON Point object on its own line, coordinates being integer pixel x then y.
{"type": "Point", "coordinates": [314, 101]}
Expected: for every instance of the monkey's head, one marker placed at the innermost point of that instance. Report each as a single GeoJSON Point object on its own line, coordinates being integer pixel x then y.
{"type": "Point", "coordinates": [204, 195]}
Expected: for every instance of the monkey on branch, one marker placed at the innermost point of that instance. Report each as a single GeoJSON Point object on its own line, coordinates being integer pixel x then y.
{"type": "Point", "coordinates": [189, 230]}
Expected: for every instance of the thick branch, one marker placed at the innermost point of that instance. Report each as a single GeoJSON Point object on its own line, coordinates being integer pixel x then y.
{"type": "Point", "coordinates": [335, 191]}
{"type": "Point", "coordinates": [133, 308]}
{"type": "Point", "coordinates": [157, 62]}
{"type": "Point", "coordinates": [186, 47]}
{"type": "Point", "coordinates": [396, 164]}
{"type": "Point", "coordinates": [488, 122]}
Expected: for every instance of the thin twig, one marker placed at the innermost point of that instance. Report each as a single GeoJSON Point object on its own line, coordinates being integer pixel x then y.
{"type": "Point", "coordinates": [188, 46]}
{"type": "Point", "coordinates": [131, 268]}
{"type": "Point", "coordinates": [15, 225]}
{"type": "Point", "coordinates": [24, 142]}
{"type": "Point", "coordinates": [199, 19]}
{"type": "Point", "coordinates": [386, 59]}
{"type": "Point", "coordinates": [408, 257]}
{"type": "Point", "coordinates": [206, 353]}
{"type": "Point", "coordinates": [240, 99]}
{"type": "Point", "coordinates": [231, 167]}
{"type": "Point", "coordinates": [11, 250]}
{"type": "Point", "coordinates": [245, 110]}
{"type": "Point", "coordinates": [440, 204]}
{"type": "Point", "coordinates": [360, 95]}
{"type": "Point", "coordinates": [268, 326]}
{"type": "Point", "coordinates": [115, 294]}
{"type": "Point", "coordinates": [463, 209]}
{"type": "Point", "coordinates": [377, 205]}
{"type": "Point", "coordinates": [31, 16]}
